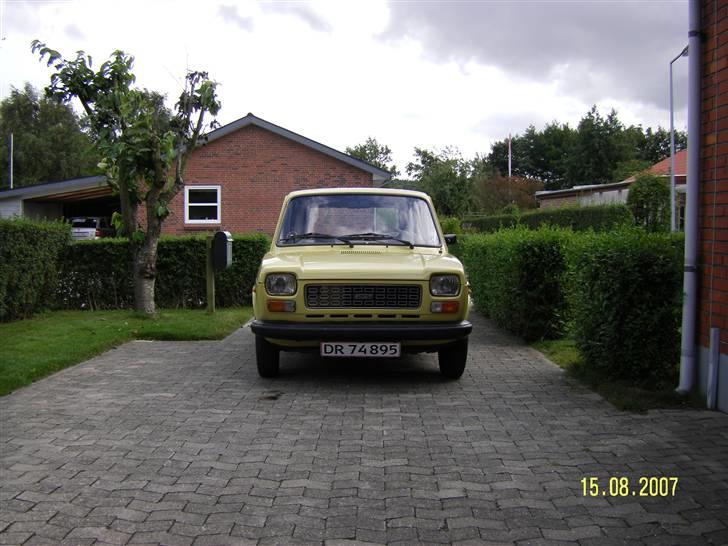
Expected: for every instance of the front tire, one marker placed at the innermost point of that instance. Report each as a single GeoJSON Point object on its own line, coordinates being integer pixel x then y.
{"type": "Point", "coordinates": [452, 359]}
{"type": "Point", "coordinates": [267, 356]}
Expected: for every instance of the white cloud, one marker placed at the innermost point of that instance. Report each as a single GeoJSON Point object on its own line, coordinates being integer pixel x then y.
{"type": "Point", "coordinates": [321, 69]}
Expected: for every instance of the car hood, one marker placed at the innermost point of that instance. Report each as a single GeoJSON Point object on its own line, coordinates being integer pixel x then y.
{"type": "Point", "coordinates": [392, 263]}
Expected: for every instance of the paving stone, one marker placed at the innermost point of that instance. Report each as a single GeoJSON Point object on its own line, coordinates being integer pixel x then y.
{"type": "Point", "coordinates": [160, 538]}
{"type": "Point", "coordinates": [178, 443]}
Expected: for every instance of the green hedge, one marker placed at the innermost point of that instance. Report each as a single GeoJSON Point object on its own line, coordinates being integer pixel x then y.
{"type": "Point", "coordinates": [516, 277]}
{"type": "Point", "coordinates": [625, 298]}
{"type": "Point", "coordinates": [618, 293]}
{"type": "Point", "coordinates": [28, 265]}
{"type": "Point", "coordinates": [97, 274]}
{"type": "Point", "coordinates": [598, 218]}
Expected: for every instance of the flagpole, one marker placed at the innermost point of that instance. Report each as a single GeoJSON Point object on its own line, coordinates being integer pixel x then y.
{"type": "Point", "coordinates": [509, 155]}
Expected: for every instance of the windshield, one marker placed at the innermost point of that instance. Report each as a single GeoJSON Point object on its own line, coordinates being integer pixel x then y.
{"type": "Point", "coordinates": [358, 219]}
{"type": "Point", "coordinates": [83, 222]}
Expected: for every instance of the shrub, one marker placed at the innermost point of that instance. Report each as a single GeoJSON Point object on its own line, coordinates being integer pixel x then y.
{"type": "Point", "coordinates": [494, 222]}
{"type": "Point", "coordinates": [598, 218]}
{"type": "Point", "coordinates": [649, 201]}
{"type": "Point", "coordinates": [625, 296]}
{"type": "Point", "coordinates": [451, 224]}
{"type": "Point", "coordinates": [516, 277]}
{"type": "Point", "coordinates": [97, 274]}
{"type": "Point", "coordinates": [28, 265]}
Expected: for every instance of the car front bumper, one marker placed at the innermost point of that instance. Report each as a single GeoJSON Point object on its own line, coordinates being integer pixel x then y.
{"type": "Point", "coordinates": [362, 331]}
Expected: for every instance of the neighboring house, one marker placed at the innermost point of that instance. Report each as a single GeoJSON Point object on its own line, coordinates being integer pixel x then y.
{"type": "Point", "coordinates": [616, 192]}
{"type": "Point", "coordinates": [235, 181]}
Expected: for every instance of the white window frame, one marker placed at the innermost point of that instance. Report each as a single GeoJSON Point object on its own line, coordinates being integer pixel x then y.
{"type": "Point", "coordinates": [188, 205]}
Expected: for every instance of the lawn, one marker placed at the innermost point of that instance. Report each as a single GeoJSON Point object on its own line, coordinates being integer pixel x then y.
{"type": "Point", "coordinates": [33, 348]}
{"type": "Point", "coordinates": [621, 394]}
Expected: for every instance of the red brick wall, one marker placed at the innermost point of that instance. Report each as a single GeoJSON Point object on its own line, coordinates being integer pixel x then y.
{"type": "Point", "coordinates": [256, 169]}
{"type": "Point", "coordinates": [713, 311]}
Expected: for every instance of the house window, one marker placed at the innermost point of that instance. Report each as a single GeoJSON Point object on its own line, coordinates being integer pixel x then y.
{"type": "Point", "coordinates": [202, 204]}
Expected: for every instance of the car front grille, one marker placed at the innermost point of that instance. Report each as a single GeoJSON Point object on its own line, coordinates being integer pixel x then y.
{"type": "Point", "coordinates": [363, 296]}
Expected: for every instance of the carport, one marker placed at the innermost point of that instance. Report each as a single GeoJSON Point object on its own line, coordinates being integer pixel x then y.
{"type": "Point", "coordinates": [88, 196]}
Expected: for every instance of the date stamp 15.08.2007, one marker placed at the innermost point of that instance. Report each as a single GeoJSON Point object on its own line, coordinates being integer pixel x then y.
{"type": "Point", "coordinates": [645, 486]}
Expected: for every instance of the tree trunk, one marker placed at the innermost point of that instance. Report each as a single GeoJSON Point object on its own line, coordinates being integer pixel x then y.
{"type": "Point", "coordinates": [145, 275]}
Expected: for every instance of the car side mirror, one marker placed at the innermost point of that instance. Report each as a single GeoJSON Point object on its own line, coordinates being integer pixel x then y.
{"type": "Point", "coordinates": [451, 238]}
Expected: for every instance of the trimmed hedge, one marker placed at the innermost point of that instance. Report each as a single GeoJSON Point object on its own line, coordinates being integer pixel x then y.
{"type": "Point", "coordinates": [516, 277]}
{"type": "Point", "coordinates": [619, 294]}
{"type": "Point", "coordinates": [98, 275]}
{"type": "Point", "coordinates": [625, 297]}
{"type": "Point", "coordinates": [28, 265]}
{"type": "Point", "coordinates": [598, 218]}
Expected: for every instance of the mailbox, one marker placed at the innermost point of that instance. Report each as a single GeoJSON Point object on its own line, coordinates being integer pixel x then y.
{"type": "Point", "coordinates": [222, 250]}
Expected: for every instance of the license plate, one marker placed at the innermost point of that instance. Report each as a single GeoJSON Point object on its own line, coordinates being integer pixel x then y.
{"type": "Point", "coordinates": [360, 350]}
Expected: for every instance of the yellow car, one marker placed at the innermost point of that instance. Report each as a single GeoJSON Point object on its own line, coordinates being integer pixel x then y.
{"type": "Point", "coordinates": [360, 272]}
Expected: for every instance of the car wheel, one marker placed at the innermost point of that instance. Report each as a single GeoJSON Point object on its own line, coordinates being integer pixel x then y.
{"type": "Point", "coordinates": [452, 359]}
{"type": "Point", "coordinates": [267, 357]}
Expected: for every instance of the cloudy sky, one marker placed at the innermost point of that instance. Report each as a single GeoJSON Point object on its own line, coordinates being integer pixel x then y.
{"type": "Point", "coordinates": [409, 73]}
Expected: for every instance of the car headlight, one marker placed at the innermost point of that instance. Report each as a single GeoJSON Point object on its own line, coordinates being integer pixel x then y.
{"type": "Point", "coordinates": [280, 284]}
{"type": "Point", "coordinates": [444, 285]}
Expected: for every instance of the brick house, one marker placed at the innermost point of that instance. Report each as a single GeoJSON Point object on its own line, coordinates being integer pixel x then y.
{"type": "Point", "coordinates": [235, 181]}
{"type": "Point", "coordinates": [713, 204]}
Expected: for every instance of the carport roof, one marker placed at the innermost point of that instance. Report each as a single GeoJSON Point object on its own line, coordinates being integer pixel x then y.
{"type": "Point", "coordinates": [88, 187]}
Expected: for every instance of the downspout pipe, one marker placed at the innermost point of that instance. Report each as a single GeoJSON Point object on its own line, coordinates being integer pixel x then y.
{"type": "Point", "coordinates": [688, 366]}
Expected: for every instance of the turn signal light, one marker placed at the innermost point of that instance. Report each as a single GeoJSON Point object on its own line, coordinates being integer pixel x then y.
{"type": "Point", "coordinates": [445, 306]}
{"type": "Point", "coordinates": [281, 306]}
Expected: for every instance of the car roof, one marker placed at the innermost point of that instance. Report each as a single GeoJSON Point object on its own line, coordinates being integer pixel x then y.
{"type": "Point", "coordinates": [362, 191]}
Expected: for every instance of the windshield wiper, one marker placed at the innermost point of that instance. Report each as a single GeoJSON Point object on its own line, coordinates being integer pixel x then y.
{"type": "Point", "coordinates": [377, 236]}
{"type": "Point", "coordinates": [314, 235]}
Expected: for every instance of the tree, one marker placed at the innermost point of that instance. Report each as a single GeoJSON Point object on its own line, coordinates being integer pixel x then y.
{"type": "Point", "coordinates": [540, 155]}
{"type": "Point", "coordinates": [626, 169]}
{"type": "Point", "coordinates": [600, 150]}
{"type": "Point", "coordinates": [449, 186]}
{"type": "Point", "coordinates": [426, 160]}
{"type": "Point", "coordinates": [143, 144]}
{"type": "Point", "coordinates": [649, 201]}
{"type": "Point", "coordinates": [596, 149]}
{"type": "Point", "coordinates": [656, 144]}
{"type": "Point", "coordinates": [492, 193]}
{"type": "Point", "coordinates": [48, 141]}
{"type": "Point", "coordinates": [445, 176]}
{"type": "Point", "coordinates": [375, 154]}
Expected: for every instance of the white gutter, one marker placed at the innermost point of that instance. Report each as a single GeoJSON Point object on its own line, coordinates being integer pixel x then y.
{"type": "Point", "coordinates": [690, 279]}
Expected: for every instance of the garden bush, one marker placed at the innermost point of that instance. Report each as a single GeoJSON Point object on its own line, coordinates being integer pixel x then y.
{"type": "Point", "coordinates": [597, 218]}
{"type": "Point", "coordinates": [97, 274]}
{"type": "Point", "coordinates": [28, 265]}
{"type": "Point", "coordinates": [451, 224]}
{"type": "Point", "coordinates": [516, 276]}
{"type": "Point", "coordinates": [649, 202]}
{"type": "Point", "coordinates": [625, 297]}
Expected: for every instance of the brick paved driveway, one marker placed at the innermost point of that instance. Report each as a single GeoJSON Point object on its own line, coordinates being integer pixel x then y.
{"type": "Point", "coordinates": [182, 443]}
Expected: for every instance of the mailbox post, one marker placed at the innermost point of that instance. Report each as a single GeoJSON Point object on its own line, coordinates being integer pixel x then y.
{"type": "Point", "coordinates": [219, 257]}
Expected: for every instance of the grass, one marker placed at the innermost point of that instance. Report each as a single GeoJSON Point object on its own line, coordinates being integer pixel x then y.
{"type": "Point", "coordinates": [621, 394]}
{"type": "Point", "coordinates": [34, 348]}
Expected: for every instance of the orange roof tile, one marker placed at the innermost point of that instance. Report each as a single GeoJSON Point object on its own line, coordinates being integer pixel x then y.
{"type": "Point", "coordinates": [663, 167]}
